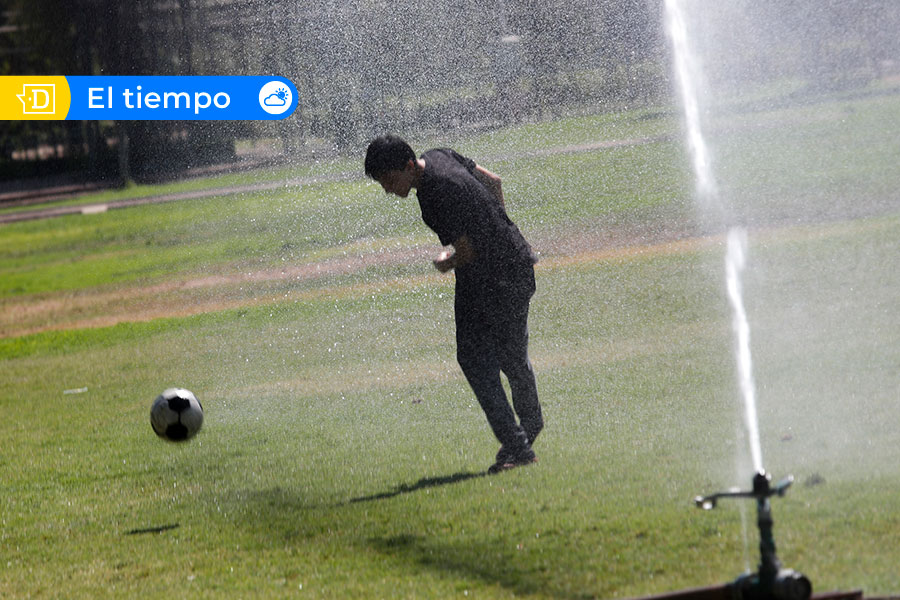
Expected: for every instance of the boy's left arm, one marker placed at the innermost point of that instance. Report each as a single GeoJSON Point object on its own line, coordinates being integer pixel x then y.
{"type": "Point", "coordinates": [491, 181]}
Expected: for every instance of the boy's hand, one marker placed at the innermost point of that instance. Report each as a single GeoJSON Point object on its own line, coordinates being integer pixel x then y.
{"type": "Point", "coordinates": [445, 261]}
{"type": "Point", "coordinates": [463, 254]}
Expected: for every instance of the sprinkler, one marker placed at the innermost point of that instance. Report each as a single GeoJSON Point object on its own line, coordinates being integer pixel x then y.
{"type": "Point", "coordinates": [771, 581]}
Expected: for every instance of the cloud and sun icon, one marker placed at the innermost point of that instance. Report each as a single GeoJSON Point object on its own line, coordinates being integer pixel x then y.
{"type": "Point", "coordinates": [279, 98]}
{"type": "Point", "coordinates": [276, 97]}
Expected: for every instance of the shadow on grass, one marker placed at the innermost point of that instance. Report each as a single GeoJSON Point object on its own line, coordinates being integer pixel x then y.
{"type": "Point", "coordinates": [474, 563]}
{"type": "Point", "coordinates": [484, 560]}
{"type": "Point", "coordinates": [424, 483]}
{"type": "Point", "coordinates": [154, 529]}
{"type": "Point", "coordinates": [487, 562]}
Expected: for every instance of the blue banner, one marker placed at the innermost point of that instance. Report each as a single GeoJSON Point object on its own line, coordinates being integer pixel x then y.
{"type": "Point", "coordinates": [154, 97]}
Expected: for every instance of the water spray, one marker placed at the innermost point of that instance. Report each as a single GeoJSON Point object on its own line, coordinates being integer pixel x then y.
{"type": "Point", "coordinates": [772, 581]}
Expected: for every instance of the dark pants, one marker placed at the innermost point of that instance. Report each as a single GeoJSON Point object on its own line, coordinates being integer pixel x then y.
{"type": "Point", "coordinates": [492, 336]}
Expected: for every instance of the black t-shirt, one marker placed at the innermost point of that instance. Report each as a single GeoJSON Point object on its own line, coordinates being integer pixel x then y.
{"type": "Point", "coordinates": [455, 204]}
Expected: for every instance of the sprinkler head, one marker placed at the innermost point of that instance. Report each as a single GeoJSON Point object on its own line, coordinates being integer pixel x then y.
{"type": "Point", "coordinates": [763, 488]}
{"type": "Point", "coordinates": [761, 484]}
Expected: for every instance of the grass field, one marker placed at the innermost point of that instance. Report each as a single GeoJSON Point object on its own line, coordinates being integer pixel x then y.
{"type": "Point", "coordinates": [343, 455]}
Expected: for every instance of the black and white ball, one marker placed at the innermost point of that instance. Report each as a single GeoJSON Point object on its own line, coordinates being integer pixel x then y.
{"type": "Point", "coordinates": [176, 415]}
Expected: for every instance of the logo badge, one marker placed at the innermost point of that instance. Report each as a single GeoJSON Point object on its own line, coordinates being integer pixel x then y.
{"type": "Point", "coordinates": [38, 98]}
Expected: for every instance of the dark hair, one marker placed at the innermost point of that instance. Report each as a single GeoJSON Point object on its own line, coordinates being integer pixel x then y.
{"type": "Point", "coordinates": [387, 153]}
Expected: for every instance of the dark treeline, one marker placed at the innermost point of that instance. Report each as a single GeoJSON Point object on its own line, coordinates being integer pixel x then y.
{"type": "Point", "coordinates": [360, 66]}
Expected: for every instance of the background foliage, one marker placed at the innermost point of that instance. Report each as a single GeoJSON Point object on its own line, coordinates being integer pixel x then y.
{"type": "Point", "coordinates": [366, 66]}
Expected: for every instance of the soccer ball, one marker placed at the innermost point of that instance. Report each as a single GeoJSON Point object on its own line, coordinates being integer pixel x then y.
{"type": "Point", "coordinates": [176, 415]}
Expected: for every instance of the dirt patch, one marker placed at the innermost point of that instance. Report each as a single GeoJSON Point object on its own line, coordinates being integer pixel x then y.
{"type": "Point", "coordinates": [234, 287]}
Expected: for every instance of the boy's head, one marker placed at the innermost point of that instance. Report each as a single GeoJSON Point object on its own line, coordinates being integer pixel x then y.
{"type": "Point", "coordinates": [391, 162]}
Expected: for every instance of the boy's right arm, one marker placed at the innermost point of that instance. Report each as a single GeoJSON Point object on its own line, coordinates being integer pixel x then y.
{"type": "Point", "coordinates": [463, 253]}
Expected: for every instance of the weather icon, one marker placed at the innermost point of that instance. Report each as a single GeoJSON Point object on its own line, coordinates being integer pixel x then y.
{"type": "Point", "coordinates": [279, 98]}
{"type": "Point", "coordinates": [275, 98]}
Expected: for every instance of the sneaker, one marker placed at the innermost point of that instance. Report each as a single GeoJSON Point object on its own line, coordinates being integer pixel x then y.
{"type": "Point", "coordinates": [507, 460]}
{"type": "Point", "coordinates": [504, 455]}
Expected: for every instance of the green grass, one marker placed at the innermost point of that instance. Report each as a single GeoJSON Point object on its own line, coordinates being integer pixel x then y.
{"type": "Point", "coordinates": [826, 161]}
{"type": "Point", "coordinates": [343, 454]}
{"type": "Point", "coordinates": [306, 223]}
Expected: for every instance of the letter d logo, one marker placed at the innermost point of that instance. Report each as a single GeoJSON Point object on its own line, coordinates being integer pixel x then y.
{"type": "Point", "coordinates": [38, 98]}
{"type": "Point", "coordinates": [33, 97]}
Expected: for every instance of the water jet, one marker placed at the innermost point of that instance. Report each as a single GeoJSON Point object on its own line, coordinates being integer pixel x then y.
{"type": "Point", "coordinates": [701, 70]}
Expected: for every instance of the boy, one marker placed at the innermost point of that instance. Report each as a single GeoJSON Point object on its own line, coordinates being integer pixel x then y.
{"type": "Point", "coordinates": [462, 203]}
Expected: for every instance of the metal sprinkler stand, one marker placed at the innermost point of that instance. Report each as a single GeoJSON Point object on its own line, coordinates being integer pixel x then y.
{"type": "Point", "coordinates": [771, 582]}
